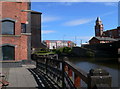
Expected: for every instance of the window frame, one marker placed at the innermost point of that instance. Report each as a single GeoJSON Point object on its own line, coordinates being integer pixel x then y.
{"type": "Point", "coordinates": [7, 20]}
{"type": "Point", "coordinates": [24, 30]}
{"type": "Point", "coordinates": [12, 47]}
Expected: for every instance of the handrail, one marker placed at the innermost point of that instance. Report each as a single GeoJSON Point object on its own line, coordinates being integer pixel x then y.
{"type": "Point", "coordinates": [62, 72]}
{"type": "Point", "coordinates": [78, 71]}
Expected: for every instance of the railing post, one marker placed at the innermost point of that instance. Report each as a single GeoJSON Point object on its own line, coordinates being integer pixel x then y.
{"type": "Point", "coordinates": [66, 68]}
{"type": "Point", "coordinates": [63, 75]}
{"type": "Point", "coordinates": [70, 73]}
{"type": "Point", "coordinates": [98, 78]}
{"type": "Point", "coordinates": [46, 65]}
{"type": "Point", "coordinates": [77, 81]}
{"type": "Point", "coordinates": [36, 63]}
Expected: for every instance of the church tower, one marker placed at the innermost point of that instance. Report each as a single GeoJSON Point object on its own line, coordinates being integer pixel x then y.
{"type": "Point", "coordinates": [98, 27]}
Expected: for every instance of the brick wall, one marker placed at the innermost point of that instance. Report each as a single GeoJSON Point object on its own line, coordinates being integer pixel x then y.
{"type": "Point", "coordinates": [13, 11]}
{"type": "Point", "coordinates": [114, 33]}
{"type": "Point", "coordinates": [94, 41]}
{"type": "Point", "coordinates": [14, 41]}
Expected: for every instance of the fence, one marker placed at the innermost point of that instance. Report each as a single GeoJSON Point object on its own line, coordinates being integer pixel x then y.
{"type": "Point", "coordinates": [68, 76]}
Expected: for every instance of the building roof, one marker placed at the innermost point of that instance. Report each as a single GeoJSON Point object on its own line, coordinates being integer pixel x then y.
{"type": "Point", "coordinates": [105, 39]}
{"type": "Point", "coordinates": [36, 12]}
{"type": "Point", "coordinates": [31, 11]}
{"type": "Point", "coordinates": [110, 30]}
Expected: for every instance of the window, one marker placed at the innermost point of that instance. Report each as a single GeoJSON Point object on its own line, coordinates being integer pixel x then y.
{"type": "Point", "coordinates": [23, 28]}
{"type": "Point", "coordinates": [8, 52]}
{"type": "Point", "coordinates": [8, 27]}
{"type": "Point", "coordinates": [110, 34]}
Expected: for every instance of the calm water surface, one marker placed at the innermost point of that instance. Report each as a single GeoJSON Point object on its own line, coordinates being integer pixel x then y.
{"type": "Point", "coordinates": [111, 65]}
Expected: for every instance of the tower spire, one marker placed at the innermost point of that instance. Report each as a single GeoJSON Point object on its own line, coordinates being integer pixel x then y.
{"type": "Point", "coordinates": [98, 19]}
{"type": "Point", "coordinates": [98, 27]}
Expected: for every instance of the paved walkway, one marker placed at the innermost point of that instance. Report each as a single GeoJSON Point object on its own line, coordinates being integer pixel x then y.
{"type": "Point", "coordinates": [26, 76]}
{"type": "Point", "coordinates": [19, 76]}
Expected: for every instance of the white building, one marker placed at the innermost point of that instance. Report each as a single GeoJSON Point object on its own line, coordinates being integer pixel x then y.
{"type": "Point", "coordinates": [54, 44]}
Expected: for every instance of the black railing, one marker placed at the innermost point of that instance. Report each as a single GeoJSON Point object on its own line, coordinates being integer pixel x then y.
{"type": "Point", "coordinates": [68, 76]}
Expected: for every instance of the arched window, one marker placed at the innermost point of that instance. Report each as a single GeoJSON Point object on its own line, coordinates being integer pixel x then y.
{"type": "Point", "coordinates": [8, 52]}
{"type": "Point", "coordinates": [8, 27]}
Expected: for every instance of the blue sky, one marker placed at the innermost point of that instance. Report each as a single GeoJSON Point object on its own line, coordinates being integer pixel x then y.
{"type": "Point", "coordinates": [75, 21]}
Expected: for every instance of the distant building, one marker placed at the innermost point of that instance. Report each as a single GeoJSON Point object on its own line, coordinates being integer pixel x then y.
{"type": "Point", "coordinates": [113, 33]}
{"type": "Point", "coordinates": [97, 40]}
{"type": "Point", "coordinates": [102, 36]}
{"type": "Point", "coordinates": [98, 27]}
{"type": "Point", "coordinates": [99, 30]}
{"type": "Point", "coordinates": [54, 44]}
{"type": "Point", "coordinates": [18, 25]}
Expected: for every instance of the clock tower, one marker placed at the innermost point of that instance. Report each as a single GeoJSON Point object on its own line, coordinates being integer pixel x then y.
{"type": "Point", "coordinates": [98, 27]}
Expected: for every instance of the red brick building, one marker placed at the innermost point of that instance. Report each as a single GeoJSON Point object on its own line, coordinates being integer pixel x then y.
{"type": "Point", "coordinates": [102, 36]}
{"type": "Point", "coordinates": [113, 33]}
{"type": "Point", "coordinates": [15, 32]}
{"type": "Point", "coordinates": [99, 30]}
{"type": "Point", "coordinates": [97, 40]}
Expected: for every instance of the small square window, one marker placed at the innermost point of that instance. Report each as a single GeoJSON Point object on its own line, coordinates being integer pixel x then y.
{"type": "Point", "coordinates": [23, 28]}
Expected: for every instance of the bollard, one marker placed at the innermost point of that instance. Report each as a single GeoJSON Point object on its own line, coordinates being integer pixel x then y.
{"type": "Point", "coordinates": [98, 78]}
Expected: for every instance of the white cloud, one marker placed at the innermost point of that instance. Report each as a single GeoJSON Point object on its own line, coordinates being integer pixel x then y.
{"type": "Point", "coordinates": [49, 18]}
{"type": "Point", "coordinates": [109, 13]}
{"type": "Point", "coordinates": [77, 22]}
{"type": "Point", "coordinates": [66, 3]}
{"type": "Point", "coordinates": [111, 4]}
{"type": "Point", "coordinates": [60, 3]}
{"type": "Point", "coordinates": [75, 0]}
{"type": "Point", "coordinates": [86, 20]}
{"type": "Point", "coordinates": [47, 31]}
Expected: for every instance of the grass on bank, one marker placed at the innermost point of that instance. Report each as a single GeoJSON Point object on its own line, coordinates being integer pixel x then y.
{"type": "Point", "coordinates": [66, 51]}
{"type": "Point", "coordinates": [59, 51]}
{"type": "Point", "coordinates": [44, 53]}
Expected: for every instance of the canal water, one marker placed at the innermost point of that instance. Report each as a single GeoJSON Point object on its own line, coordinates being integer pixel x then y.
{"type": "Point", "coordinates": [109, 64]}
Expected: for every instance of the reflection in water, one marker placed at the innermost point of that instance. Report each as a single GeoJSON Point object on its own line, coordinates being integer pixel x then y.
{"type": "Point", "coordinates": [111, 67]}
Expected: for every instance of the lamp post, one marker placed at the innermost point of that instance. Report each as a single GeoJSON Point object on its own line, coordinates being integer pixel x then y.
{"type": "Point", "coordinates": [63, 40]}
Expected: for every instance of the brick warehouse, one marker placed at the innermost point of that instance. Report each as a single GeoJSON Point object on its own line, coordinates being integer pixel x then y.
{"type": "Point", "coordinates": [16, 31]}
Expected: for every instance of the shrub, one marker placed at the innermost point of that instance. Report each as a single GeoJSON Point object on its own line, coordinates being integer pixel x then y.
{"type": "Point", "coordinates": [59, 51]}
{"type": "Point", "coordinates": [67, 50]}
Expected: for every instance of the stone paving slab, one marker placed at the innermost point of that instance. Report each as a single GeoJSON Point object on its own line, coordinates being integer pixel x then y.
{"type": "Point", "coordinates": [20, 76]}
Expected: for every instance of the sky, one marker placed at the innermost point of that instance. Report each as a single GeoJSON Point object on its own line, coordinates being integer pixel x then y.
{"type": "Point", "coordinates": [75, 21]}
